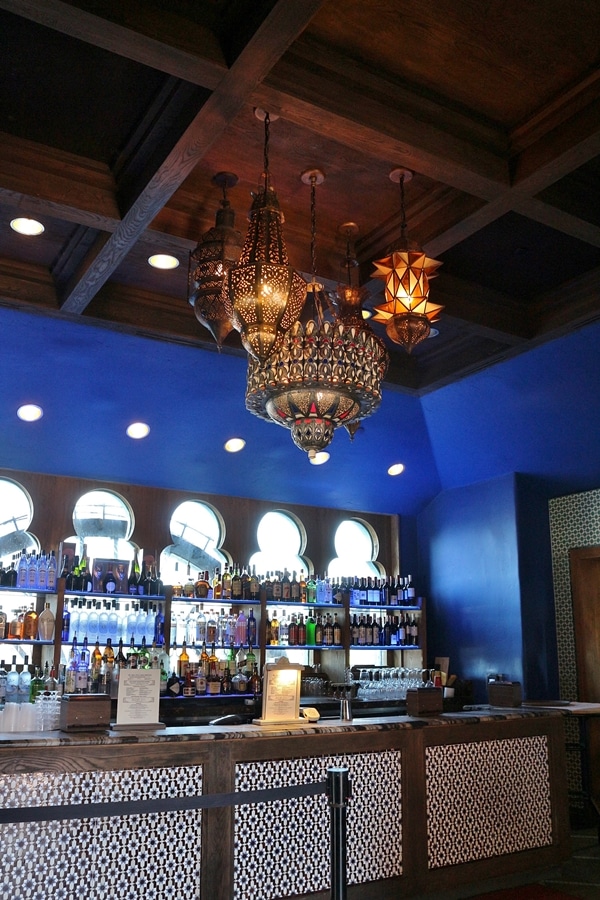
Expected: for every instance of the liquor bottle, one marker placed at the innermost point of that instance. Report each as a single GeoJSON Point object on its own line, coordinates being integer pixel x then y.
{"type": "Point", "coordinates": [12, 683]}
{"type": "Point", "coordinates": [30, 625]}
{"type": "Point", "coordinates": [201, 625]}
{"type": "Point", "coordinates": [377, 631]}
{"type": "Point", "coordinates": [120, 658]}
{"type": "Point", "coordinates": [132, 654]}
{"type": "Point", "coordinates": [134, 576]}
{"type": "Point", "coordinates": [245, 584]}
{"type": "Point", "coordinates": [254, 586]}
{"type": "Point", "coordinates": [402, 630]}
{"type": "Point", "coordinates": [414, 632]}
{"type": "Point", "coordinates": [3, 625]}
{"type": "Point", "coordinates": [202, 587]}
{"type": "Point", "coordinates": [144, 659]}
{"type": "Point", "coordinates": [177, 586]}
{"type": "Point", "coordinates": [236, 585]}
{"type": "Point", "coordinates": [173, 685]}
{"type": "Point", "coordinates": [311, 590]}
{"type": "Point", "coordinates": [182, 662]}
{"type": "Point", "coordinates": [293, 631]}
{"type": "Point", "coordinates": [301, 631]}
{"type": "Point", "coordinates": [241, 629]}
{"type": "Point", "coordinates": [216, 584]}
{"type": "Point", "coordinates": [159, 625]}
{"type": "Point", "coordinates": [213, 681]}
{"type": "Point", "coordinates": [109, 583]}
{"type": "Point", "coordinates": [369, 631]}
{"type": "Point", "coordinates": [212, 628]}
{"type": "Point", "coordinates": [267, 629]}
{"type": "Point", "coordinates": [3, 677]}
{"type": "Point", "coordinates": [249, 662]}
{"type": "Point", "coordinates": [310, 629]}
{"type": "Point", "coordinates": [274, 629]}
{"type": "Point", "coordinates": [82, 672]}
{"type": "Point", "coordinates": [410, 591]}
{"type": "Point", "coordinates": [189, 685]}
{"type": "Point", "coordinates": [328, 632]}
{"type": "Point", "coordinates": [36, 685]}
{"type": "Point", "coordinates": [87, 582]}
{"type": "Point", "coordinates": [42, 572]}
{"type": "Point", "coordinates": [226, 584]}
{"type": "Point", "coordinates": [295, 588]}
{"type": "Point", "coordinates": [15, 626]}
{"type": "Point", "coordinates": [203, 665]}
{"type": "Point", "coordinates": [286, 586]}
{"type": "Point", "coordinates": [267, 588]}
{"type": "Point", "coordinates": [226, 682]}
{"type": "Point", "coordinates": [95, 668]}
{"type": "Point", "coordinates": [319, 631]}
{"type": "Point", "coordinates": [52, 683]}
{"type": "Point", "coordinates": [255, 682]}
{"type": "Point", "coordinates": [277, 587]}
{"type": "Point", "coordinates": [251, 627]}
{"type": "Point", "coordinates": [189, 585]}
{"type": "Point", "coordinates": [32, 571]}
{"type": "Point", "coordinates": [337, 631]}
{"type": "Point", "coordinates": [22, 569]}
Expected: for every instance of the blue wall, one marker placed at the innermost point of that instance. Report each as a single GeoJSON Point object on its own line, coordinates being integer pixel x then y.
{"type": "Point", "coordinates": [469, 556]}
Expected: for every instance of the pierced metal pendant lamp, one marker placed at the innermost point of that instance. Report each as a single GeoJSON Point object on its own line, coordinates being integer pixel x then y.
{"type": "Point", "coordinates": [265, 294]}
{"type": "Point", "coordinates": [407, 313]}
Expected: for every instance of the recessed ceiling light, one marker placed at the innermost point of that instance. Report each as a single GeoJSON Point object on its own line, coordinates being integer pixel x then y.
{"type": "Point", "coordinates": [396, 469]}
{"type": "Point", "coordinates": [138, 430]}
{"type": "Point", "coordinates": [319, 458]}
{"type": "Point", "coordinates": [163, 261]}
{"type": "Point", "coordinates": [234, 445]}
{"type": "Point", "coordinates": [27, 226]}
{"type": "Point", "coordinates": [30, 412]}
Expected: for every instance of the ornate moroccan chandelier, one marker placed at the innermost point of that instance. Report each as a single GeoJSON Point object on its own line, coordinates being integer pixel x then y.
{"type": "Point", "coordinates": [218, 250]}
{"type": "Point", "coordinates": [328, 368]}
{"type": "Point", "coordinates": [407, 271]}
{"type": "Point", "coordinates": [265, 294]}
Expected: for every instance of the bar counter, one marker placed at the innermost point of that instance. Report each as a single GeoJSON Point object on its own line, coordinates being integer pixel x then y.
{"type": "Point", "coordinates": [436, 802]}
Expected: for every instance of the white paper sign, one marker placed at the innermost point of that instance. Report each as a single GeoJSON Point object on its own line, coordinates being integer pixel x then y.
{"type": "Point", "coordinates": [281, 693]}
{"type": "Point", "coordinates": [137, 700]}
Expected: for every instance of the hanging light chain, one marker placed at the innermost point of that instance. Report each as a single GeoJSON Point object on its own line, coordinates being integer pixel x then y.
{"type": "Point", "coordinates": [403, 225]}
{"type": "Point", "coordinates": [266, 149]}
{"type": "Point", "coordinates": [313, 226]}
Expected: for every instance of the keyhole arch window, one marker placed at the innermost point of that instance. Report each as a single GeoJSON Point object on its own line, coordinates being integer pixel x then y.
{"type": "Point", "coordinates": [103, 521]}
{"type": "Point", "coordinates": [281, 538]}
{"type": "Point", "coordinates": [357, 547]}
{"type": "Point", "coordinates": [198, 533]}
{"type": "Point", "coordinates": [15, 518]}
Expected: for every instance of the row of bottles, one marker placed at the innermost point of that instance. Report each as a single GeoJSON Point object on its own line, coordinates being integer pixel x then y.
{"type": "Point", "coordinates": [114, 619]}
{"type": "Point", "coordinates": [25, 625]}
{"type": "Point", "coordinates": [196, 674]}
{"type": "Point", "coordinates": [140, 581]}
{"type": "Point", "coordinates": [195, 625]}
{"type": "Point", "coordinates": [31, 572]}
{"type": "Point", "coordinates": [401, 631]}
{"type": "Point", "coordinates": [20, 686]}
{"type": "Point", "coordinates": [241, 585]}
{"type": "Point", "coordinates": [298, 631]}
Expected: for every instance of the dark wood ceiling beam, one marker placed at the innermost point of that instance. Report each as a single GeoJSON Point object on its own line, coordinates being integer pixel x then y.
{"type": "Point", "coordinates": [183, 49]}
{"type": "Point", "coordinates": [279, 29]}
{"type": "Point", "coordinates": [45, 181]}
{"type": "Point", "coordinates": [378, 126]}
{"type": "Point", "coordinates": [555, 218]}
{"type": "Point", "coordinates": [26, 284]}
{"type": "Point", "coordinates": [576, 302]}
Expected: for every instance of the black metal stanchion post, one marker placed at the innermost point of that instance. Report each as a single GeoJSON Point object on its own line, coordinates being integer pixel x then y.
{"type": "Point", "coordinates": [338, 793]}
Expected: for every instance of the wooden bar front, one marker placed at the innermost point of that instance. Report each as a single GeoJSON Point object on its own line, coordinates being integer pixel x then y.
{"type": "Point", "coordinates": [436, 803]}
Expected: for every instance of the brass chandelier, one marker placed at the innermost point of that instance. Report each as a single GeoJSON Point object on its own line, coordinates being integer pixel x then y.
{"type": "Point", "coordinates": [407, 313]}
{"type": "Point", "coordinates": [328, 368]}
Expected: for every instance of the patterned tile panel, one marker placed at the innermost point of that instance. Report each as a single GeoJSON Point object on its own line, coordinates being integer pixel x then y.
{"type": "Point", "coordinates": [574, 522]}
{"type": "Point", "coordinates": [283, 847]}
{"type": "Point", "coordinates": [486, 799]}
{"type": "Point", "coordinates": [149, 856]}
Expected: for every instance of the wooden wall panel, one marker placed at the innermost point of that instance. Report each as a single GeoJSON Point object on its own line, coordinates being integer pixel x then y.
{"type": "Point", "coordinates": [54, 498]}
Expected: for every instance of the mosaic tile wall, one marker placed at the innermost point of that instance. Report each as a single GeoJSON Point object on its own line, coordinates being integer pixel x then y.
{"type": "Point", "coordinates": [150, 856]}
{"type": "Point", "coordinates": [283, 847]}
{"type": "Point", "coordinates": [574, 522]}
{"type": "Point", "coordinates": [475, 794]}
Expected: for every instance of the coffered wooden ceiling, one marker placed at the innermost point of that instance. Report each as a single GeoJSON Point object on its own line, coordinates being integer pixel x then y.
{"type": "Point", "coordinates": [115, 115]}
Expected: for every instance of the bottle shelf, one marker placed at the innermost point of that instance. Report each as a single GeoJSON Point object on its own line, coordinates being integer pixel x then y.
{"type": "Point", "coordinates": [304, 647]}
{"type": "Point", "coordinates": [28, 591]}
{"type": "Point", "coordinates": [99, 595]}
{"type": "Point", "coordinates": [416, 607]}
{"type": "Point", "coordinates": [385, 646]}
{"type": "Point", "coordinates": [300, 604]}
{"type": "Point", "coordinates": [35, 641]}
